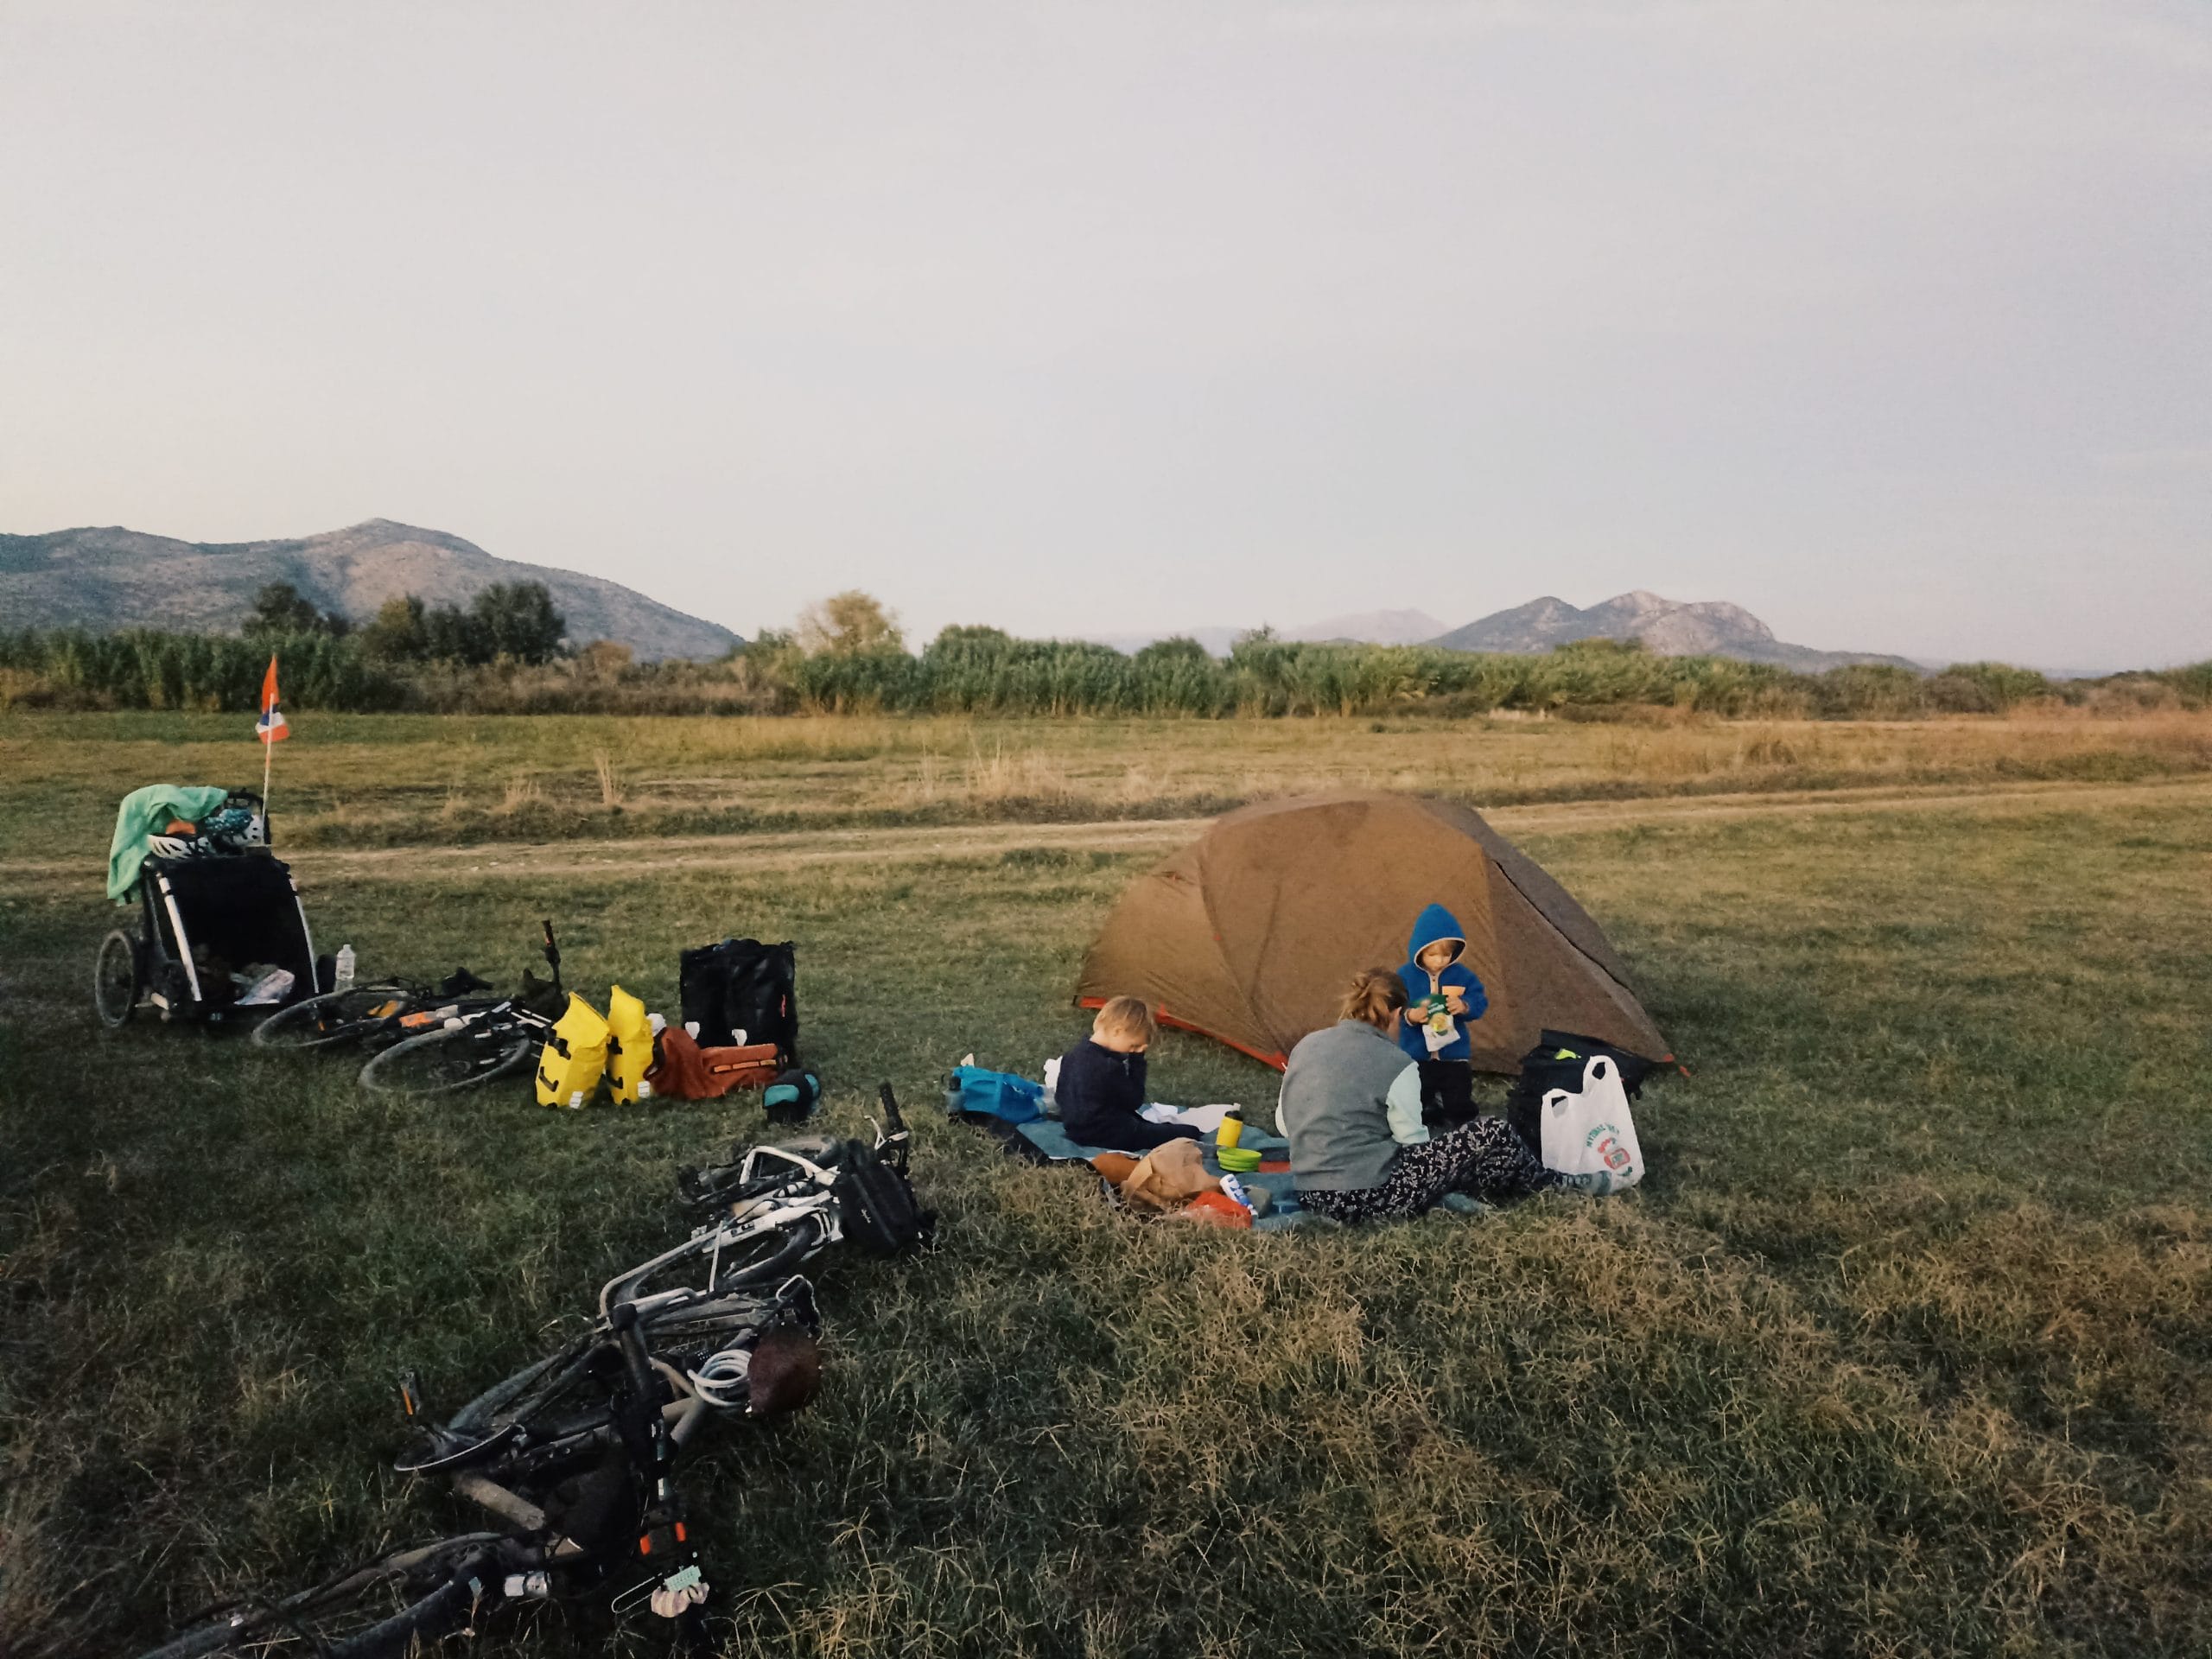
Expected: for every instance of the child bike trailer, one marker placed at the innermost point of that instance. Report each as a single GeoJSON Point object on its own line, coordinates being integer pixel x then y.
{"type": "Point", "coordinates": [221, 932]}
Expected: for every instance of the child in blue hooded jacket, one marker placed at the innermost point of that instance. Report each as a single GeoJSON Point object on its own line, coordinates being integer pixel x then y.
{"type": "Point", "coordinates": [1444, 995]}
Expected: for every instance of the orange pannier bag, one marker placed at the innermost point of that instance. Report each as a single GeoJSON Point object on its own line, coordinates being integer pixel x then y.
{"type": "Point", "coordinates": [686, 1072]}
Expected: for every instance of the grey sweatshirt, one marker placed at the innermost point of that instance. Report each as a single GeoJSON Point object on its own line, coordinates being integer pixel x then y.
{"type": "Point", "coordinates": [1337, 1107]}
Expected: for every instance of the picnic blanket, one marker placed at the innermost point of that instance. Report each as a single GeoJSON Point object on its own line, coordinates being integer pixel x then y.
{"type": "Point", "coordinates": [1051, 1140]}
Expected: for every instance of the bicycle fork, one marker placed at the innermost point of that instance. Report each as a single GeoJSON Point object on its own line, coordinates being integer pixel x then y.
{"type": "Point", "coordinates": [675, 1588]}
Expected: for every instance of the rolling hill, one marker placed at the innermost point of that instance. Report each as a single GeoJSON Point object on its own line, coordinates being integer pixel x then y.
{"type": "Point", "coordinates": [1711, 627]}
{"type": "Point", "coordinates": [104, 579]}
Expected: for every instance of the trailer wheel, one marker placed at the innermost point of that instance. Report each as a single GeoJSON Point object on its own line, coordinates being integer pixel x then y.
{"type": "Point", "coordinates": [116, 981]}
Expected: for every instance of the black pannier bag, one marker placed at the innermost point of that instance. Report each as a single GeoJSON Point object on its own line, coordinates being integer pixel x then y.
{"type": "Point", "coordinates": [1557, 1062]}
{"type": "Point", "coordinates": [742, 985]}
{"type": "Point", "coordinates": [877, 1204]}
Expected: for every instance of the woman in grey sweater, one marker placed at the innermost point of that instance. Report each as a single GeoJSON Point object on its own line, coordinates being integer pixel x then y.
{"type": "Point", "coordinates": [1351, 1107]}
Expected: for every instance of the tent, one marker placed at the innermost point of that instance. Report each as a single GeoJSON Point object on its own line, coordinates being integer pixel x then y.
{"type": "Point", "coordinates": [1249, 934]}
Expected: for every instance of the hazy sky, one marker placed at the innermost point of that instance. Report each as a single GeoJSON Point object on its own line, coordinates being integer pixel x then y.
{"type": "Point", "coordinates": [1892, 322]}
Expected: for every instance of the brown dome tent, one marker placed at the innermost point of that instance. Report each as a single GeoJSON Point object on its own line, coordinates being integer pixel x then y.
{"type": "Point", "coordinates": [1249, 933]}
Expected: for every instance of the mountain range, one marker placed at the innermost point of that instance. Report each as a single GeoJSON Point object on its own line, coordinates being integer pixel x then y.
{"type": "Point", "coordinates": [1708, 627]}
{"type": "Point", "coordinates": [114, 578]}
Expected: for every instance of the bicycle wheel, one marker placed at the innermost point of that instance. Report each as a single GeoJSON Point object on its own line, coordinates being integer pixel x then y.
{"type": "Point", "coordinates": [755, 1261]}
{"type": "Point", "coordinates": [378, 1612]}
{"type": "Point", "coordinates": [335, 1017]}
{"type": "Point", "coordinates": [115, 980]}
{"type": "Point", "coordinates": [442, 1062]}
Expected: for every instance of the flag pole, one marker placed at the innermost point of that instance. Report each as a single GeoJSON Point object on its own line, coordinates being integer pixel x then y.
{"type": "Point", "coordinates": [268, 754]}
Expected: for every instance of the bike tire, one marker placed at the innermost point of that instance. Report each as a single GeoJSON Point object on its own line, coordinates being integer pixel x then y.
{"type": "Point", "coordinates": [439, 1611]}
{"type": "Point", "coordinates": [446, 1062]}
{"type": "Point", "coordinates": [307, 1024]}
{"type": "Point", "coordinates": [117, 980]}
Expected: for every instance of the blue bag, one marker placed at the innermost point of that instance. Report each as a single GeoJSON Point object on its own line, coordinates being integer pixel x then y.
{"type": "Point", "coordinates": [995, 1094]}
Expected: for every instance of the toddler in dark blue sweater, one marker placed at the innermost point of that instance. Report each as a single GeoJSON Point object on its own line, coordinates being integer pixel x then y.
{"type": "Point", "coordinates": [1102, 1083]}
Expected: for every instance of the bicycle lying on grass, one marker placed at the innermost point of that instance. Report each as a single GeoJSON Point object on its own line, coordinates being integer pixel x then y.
{"type": "Point", "coordinates": [576, 1455]}
{"type": "Point", "coordinates": [463, 1043]}
{"type": "Point", "coordinates": [783, 1205]}
{"type": "Point", "coordinates": [369, 1014]}
{"type": "Point", "coordinates": [429, 1040]}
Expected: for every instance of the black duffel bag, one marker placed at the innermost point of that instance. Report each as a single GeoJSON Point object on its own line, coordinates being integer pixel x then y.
{"type": "Point", "coordinates": [1557, 1062]}
{"type": "Point", "coordinates": [742, 985]}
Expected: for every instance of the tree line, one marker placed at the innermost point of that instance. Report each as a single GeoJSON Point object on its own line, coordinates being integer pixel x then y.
{"type": "Point", "coordinates": [505, 653]}
{"type": "Point", "coordinates": [513, 621]}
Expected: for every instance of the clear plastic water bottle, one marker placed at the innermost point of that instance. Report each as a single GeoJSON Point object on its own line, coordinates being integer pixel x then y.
{"type": "Point", "coordinates": [342, 976]}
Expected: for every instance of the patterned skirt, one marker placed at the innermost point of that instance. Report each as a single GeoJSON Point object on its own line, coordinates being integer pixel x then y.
{"type": "Point", "coordinates": [1484, 1158]}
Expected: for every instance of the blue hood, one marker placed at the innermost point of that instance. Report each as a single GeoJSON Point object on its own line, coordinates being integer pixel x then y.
{"type": "Point", "coordinates": [1433, 924]}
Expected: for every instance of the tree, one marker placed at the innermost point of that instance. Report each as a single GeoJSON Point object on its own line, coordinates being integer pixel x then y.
{"type": "Point", "coordinates": [451, 635]}
{"type": "Point", "coordinates": [1179, 648]}
{"type": "Point", "coordinates": [518, 620]}
{"type": "Point", "coordinates": [397, 634]}
{"type": "Point", "coordinates": [280, 608]}
{"type": "Point", "coordinates": [850, 624]}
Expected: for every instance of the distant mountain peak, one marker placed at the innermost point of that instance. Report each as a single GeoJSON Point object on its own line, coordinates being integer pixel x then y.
{"type": "Point", "coordinates": [108, 578]}
{"type": "Point", "coordinates": [1713, 627]}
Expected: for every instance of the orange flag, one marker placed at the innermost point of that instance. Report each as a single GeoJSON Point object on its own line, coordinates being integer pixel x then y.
{"type": "Point", "coordinates": [270, 728]}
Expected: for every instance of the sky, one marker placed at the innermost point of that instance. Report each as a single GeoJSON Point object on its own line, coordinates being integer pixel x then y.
{"type": "Point", "coordinates": [1889, 322]}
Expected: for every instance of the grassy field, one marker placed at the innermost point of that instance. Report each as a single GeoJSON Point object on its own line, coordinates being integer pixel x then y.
{"type": "Point", "coordinates": [1905, 1346]}
{"type": "Point", "coordinates": [368, 781]}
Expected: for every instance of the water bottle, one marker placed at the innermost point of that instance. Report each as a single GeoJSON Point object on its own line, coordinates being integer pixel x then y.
{"type": "Point", "coordinates": [342, 978]}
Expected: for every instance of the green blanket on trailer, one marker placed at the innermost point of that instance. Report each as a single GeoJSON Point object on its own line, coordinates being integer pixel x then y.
{"type": "Point", "coordinates": [147, 811]}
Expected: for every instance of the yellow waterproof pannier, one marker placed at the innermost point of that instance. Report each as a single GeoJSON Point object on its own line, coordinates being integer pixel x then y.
{"type": "Point", "coordinates": [629, 1047]}
{"type": "Point", "coordinates": [575, 1056]}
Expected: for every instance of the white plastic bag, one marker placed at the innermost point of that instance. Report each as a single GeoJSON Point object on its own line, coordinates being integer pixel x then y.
{"type": "Point", "coordinates": [1590, 1133]}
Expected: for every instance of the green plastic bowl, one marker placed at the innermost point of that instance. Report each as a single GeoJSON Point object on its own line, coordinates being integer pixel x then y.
{"type": "Point", "coordinates": [1238, 1160]}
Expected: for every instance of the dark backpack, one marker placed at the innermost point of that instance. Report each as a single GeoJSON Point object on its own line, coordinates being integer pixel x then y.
{"type": "Point", "coordinates": [1556, 1062]}
{"type": "Point", "coordinates": [742, 985]}
{"type": "Point", "coordinates": [877, 1204]}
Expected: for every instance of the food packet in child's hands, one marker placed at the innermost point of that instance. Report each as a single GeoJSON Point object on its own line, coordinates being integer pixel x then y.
{"type": "Point", "coordinates": [1437, 1028]}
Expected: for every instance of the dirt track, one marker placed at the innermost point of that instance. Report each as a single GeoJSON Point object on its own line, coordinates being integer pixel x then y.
{"type": "Point", "coordinates": [785, 850]}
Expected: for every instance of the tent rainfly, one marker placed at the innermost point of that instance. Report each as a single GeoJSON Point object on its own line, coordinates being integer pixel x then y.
{"type": "Point", "coordinates": [1250, 934]}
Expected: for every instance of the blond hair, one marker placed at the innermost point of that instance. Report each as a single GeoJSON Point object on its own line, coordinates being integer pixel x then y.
{"type": "Point", "coordinates": [1127, 1018]}
{"type": "Point", "coordinates": [1373, 996]}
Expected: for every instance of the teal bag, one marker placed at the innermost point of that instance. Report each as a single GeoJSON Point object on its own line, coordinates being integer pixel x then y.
{"type": "Point", "coordinates": [995, 1094]}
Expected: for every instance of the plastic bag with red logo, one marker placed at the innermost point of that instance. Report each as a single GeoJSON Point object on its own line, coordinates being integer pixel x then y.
{"type": "Point", "coordinates": [1590, 1134]}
